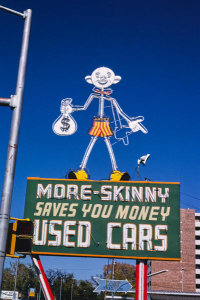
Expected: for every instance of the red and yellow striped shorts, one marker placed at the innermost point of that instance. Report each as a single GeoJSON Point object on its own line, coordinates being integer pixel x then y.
{"type": "Point", "coordinates": [100, 127]}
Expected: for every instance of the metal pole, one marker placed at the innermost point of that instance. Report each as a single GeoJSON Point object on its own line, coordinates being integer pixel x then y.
{"type": "Point", "coordinates": [4, 101]}
{"type": "Point", "coordinates": [156, 273]}
{"type": "Point", "coordinates": [16, 270]}
{"type": "Point", "coordinates": [71, 291]}
{"type": "Point", "coordinates": [14, 12]}
{"type": "Point", "coordinates": [138, 172]}
{"type": "Point", "coordinates": [113, 273]}
{"type": "Point", "coordinates": [13, 141]}
{"type": "Point", "coordinates": [182, 271]}
{"type": "Point", "coordinates": [40, 292]}
{"type": "Point", "coordinates": [60, 289]}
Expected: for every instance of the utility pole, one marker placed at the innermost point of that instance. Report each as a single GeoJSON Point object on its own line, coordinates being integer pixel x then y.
{"type": "Point", "coordinates": [60, 289]}
{"type": "Point", "coordinates": [16, 270]}
{"type": "Point", "coordinates": [71, 291]}
{"type": "Point", "coordinates": [15, 102]}
{"type": "Point", "coordinates": [113, 273]}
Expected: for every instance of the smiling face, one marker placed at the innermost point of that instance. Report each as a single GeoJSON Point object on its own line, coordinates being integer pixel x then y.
{"type": "Point", "coordinates": [103, 77]}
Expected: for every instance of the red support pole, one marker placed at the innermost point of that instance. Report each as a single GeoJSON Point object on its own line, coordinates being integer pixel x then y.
{"type": "Point", "coordinates": [141, 280]}
{"type": "Point", "coordinates": [42, 277]}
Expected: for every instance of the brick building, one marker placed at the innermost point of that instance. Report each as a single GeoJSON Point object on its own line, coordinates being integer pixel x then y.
{"type": "Point", "coordinates": [184, 275]}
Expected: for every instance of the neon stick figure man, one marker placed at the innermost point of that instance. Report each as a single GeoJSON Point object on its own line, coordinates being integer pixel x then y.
{"type": "Point", "coordinates": [101, 78]}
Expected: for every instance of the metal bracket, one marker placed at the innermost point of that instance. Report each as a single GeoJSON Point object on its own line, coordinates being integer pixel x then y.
{"type": "Point", "coordinates": [4, 101]}
{"type": "Point", "coordinates": [13, 101]}
{"type": "Point", "coordinates": [17, 219]}
{"type": "Point", "coordinates": [16, 256]}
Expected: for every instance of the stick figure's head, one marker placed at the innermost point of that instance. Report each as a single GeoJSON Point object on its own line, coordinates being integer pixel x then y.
{"type": "Point", "coordinates": [102, 78]}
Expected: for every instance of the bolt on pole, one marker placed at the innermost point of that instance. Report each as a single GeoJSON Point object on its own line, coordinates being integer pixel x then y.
{"type": "Point", "coordinates": [6, 197]}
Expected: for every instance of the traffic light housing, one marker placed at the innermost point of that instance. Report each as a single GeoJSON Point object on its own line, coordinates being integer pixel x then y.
{"type": "Point", "coordinates": [20, 235]}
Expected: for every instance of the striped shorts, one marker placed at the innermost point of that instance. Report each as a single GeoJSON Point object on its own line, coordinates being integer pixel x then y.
{"type": "Point", "coordinates": [100, 127]}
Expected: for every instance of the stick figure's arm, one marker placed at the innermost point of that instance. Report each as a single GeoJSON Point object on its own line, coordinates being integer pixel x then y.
{"type": "Point", "coordinates": [87, 103]}
{"type": "Point", "coordinates": [133, 123]}
{"type": "Point", "coordinates": [119, 110]}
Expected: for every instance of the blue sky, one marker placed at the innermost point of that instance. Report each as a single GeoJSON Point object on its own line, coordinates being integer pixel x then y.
{"type": "Point", "coordinates": [153, 45]}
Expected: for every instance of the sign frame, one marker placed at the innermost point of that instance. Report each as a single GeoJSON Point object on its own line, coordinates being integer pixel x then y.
{"type": "Point", "coordinates": [158, 188]}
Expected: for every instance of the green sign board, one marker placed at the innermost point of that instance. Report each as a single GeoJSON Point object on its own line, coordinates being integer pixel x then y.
{"type": "Point", "coordinates": [104, 218]}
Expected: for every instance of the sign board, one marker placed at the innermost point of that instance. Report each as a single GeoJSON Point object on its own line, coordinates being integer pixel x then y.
{"type": "Point", "coordinates": [104, 218]}
{"type": "Point", "coordinates": [31, 292]}
{"type": "Point", "coordinates": [111, 285]}
{"type": "Point", "coordinates": [9, 295]}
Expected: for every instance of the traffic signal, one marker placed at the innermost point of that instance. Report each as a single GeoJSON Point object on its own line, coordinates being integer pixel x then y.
{"type": "Point", "coordinates": [11, 239]}
{"type": "Point", "coordinates": [20, 235]}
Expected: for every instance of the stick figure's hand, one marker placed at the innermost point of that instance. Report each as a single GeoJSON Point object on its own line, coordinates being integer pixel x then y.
{"type": "Point", "coordinates": [135, 125]}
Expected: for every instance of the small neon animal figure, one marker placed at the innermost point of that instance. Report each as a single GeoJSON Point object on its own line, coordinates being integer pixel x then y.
{"type": "Point", "coordinates": [101, 78]}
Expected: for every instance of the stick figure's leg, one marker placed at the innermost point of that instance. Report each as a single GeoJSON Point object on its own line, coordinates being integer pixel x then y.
{"type": "Point", "coordinates": [82, 174]}
{"type": "Point", "coordinates": [111, 153]}
{"type": "Point", "coordinates": [115, 175]}
{"type": "Point", "coordinates": [88, 151]}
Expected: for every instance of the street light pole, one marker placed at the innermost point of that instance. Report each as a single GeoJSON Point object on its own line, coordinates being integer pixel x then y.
{"type": "Point", "coordinates": [16, 103]}
{"type": "Point", "coordinates": [156, 273]}
{"type": "Point", "coordinates": [182, 273]}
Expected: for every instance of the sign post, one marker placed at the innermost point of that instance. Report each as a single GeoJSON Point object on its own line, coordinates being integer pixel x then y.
{"type": "Point", "coordinates": [141, 280]}
{"type": "Point", "coordinates": [42, 278]}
